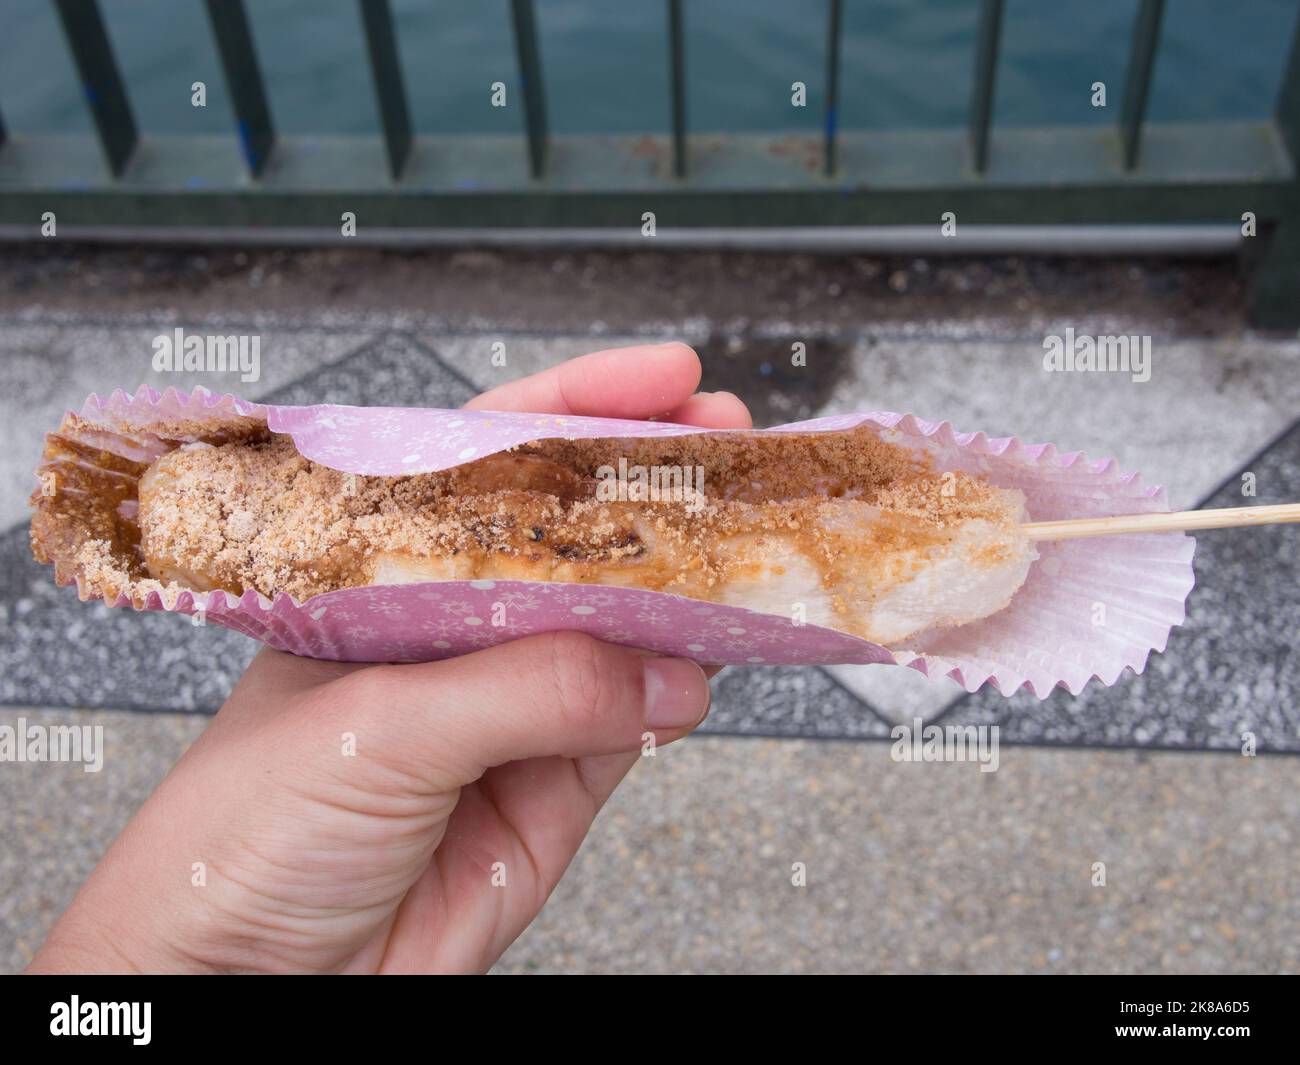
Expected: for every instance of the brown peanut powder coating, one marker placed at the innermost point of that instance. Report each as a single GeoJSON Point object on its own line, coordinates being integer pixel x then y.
{"type": "Point", "coordinates": [259, 515]}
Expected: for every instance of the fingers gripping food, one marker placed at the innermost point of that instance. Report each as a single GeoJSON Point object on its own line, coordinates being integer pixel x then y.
{"type": "Point", "coordinates": [840, 529]}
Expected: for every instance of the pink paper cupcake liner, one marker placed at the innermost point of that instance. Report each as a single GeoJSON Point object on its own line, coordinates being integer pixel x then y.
{"type": "Point", "coordinates": [1090, 608]}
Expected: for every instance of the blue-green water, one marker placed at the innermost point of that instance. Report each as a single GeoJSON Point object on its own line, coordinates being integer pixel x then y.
{"type": "Point", "coordinates": [904, 64]}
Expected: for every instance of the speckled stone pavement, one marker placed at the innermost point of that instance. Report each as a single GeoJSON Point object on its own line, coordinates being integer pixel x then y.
{"type": "Point", "coordinates": [910, 867]}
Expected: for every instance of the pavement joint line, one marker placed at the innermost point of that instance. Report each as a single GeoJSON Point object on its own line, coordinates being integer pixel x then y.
{"type": "Point", "coordinates": [1251, 461]}
{"type": "Point", "coordinates": [1049, 745]}
{"type": "Point", "coordinates": [437, 357]}
{"type": "Point", "coordinates": [1230, 479]}
{"type": "Point", "coordinates": [371, 341]}
{"type": "Point", "coordinates": [888, 722]}
{"type": "Point", "coordinates": [649, 328]}
{"type": "Point", "coordinates": [730, 734]}
{"type": "Point", "coordinates": [127, 321]}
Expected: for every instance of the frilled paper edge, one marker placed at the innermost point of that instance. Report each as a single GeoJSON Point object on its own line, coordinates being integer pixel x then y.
{"type": "Point", "coordinates": [312, 426]}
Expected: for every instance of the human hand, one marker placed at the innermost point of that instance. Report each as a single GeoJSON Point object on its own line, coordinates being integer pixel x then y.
{"type": "Point", "coordinates": [473, 784]}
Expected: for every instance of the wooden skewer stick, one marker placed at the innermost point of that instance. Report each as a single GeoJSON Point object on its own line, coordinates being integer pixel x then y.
{"type": "Point", "coordinates": [1179, 521]}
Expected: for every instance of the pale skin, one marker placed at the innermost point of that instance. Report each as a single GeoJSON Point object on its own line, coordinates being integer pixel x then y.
{"type": "Point", "coordinates": [467, 772]}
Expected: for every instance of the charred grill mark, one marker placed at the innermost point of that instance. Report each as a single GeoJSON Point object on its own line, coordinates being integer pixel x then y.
{"type": "Point", "coordinates": [487, 531]}
{"type": "Point", "coordinates": [630, 544]}
{"type": "Point", "coordinates": [626, 545]}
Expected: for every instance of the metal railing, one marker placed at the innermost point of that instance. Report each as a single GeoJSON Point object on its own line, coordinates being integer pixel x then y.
{"type": "Point", "coordinates": [1135, 173]}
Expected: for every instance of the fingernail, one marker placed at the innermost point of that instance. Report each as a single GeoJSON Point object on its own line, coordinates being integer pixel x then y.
{"type": "Point", "coordinates": [676, 693]}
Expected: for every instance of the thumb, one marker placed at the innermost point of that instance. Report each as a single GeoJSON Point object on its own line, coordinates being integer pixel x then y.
{"type": "Point", "coordinates": [559, 693]}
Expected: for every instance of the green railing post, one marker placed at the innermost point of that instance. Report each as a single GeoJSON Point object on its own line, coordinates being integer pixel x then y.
{"type": "Point", "coordinates": [987, 33]}
{"type": "Point", "coordinates": [1273, 295]}
{"type": "Point", "coordinates": [530, 77]}
{"type": "Point", "coordinates": [832, 82]}
{"type": "Point", "coordinates": [83, 26]}
{"type": "Point", "coordinates": [1286, 111]}
{"type": "Point", "coordinates": [243, 81]}
{"type": "Point", "coordinates": [677, 61]}
{"type": "Point", "coordinates": [1137, 84]}
{"type": "Point", "coordinates": [386, 67]}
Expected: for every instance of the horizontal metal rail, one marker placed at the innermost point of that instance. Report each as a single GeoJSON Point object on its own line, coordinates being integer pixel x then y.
{"type": "Point", "coordinates": [1184, 241]}
{"type": "Point", "coordinates": [1241, 173]}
